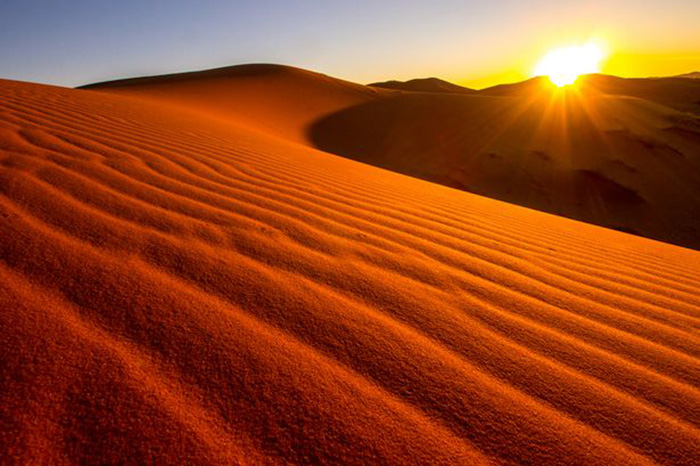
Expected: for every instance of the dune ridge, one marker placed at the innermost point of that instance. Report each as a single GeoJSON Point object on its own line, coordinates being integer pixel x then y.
{"type": "Point", "coordinates": [434, 85]}
{"type": "Point", "coordinates": [680, 93]}
{"type": "Point", "coordinates": [182, 287]}
{"type": "Point", "coordinates": [277, 99]}
{"type": "Point", "coordinates": [619, 153]}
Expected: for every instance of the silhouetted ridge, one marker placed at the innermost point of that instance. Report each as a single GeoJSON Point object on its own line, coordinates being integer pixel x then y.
{"type": "Point", "coordinates": [677, 93]}
{"type": "Point", "coordinates": [434, 85]}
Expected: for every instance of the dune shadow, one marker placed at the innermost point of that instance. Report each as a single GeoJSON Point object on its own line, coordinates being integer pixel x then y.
{"type": "Point", "coordinates": [427, 136]}
{"type": "Point", "coordinates": [487, 145]}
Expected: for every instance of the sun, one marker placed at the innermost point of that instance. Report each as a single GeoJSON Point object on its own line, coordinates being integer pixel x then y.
{"type": "Point", "coordinates": [564, 65]}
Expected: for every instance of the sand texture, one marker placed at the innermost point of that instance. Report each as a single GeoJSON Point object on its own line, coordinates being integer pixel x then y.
{"type": "Point", "coordinates": [619, 153]}
{"type": "Point", "coordinates": [187, 280]}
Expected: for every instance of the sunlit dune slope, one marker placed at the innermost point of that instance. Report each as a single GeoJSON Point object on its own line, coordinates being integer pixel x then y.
{"type": "Point", "coordinates": [614, 161]}
{"type": "Point", "coordinates": [275, 98]}
{"type": "Point", "coordinates": [182, 289]}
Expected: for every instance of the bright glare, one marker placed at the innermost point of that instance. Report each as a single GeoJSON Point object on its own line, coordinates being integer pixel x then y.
{"type": "Point", "coordinates": [563, 66]}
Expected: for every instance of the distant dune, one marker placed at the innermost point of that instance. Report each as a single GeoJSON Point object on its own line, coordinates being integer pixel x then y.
{"type": "Point", "coordinates": [434, 85]}
{"type": "Point", "coordinates": [184, 279]}
{"type": "Point", "coordinates": [677, 93]}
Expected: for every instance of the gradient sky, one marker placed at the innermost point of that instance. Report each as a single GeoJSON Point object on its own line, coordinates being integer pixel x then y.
{"type": "Point", "coordinates": [477, 43]}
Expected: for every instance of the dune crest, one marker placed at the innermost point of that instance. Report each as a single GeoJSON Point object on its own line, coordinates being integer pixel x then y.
{"type": "Point", "coordinates": [184, 287]}
{"type": "Point", "coordinates": [277, 99]}
{"type": "Point", "coordinates": [434, 85]}
{"type": "Point", "coordinates": [678, 93]}
{"type": "Point", "coordinates": [619, 153]}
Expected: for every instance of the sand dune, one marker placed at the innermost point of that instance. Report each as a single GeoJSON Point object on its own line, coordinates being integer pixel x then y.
{"type": "Point", "coordinates": [619, 162]}
{"type": "Point", "coordinates": [280, 100]}
{"type": "Point", "coordinates": [677, 93]}
{"type": "Point", "coordinates": [434, 85]}
{"type": "Point", "coordinates": [607, 153]}
{"type": "Point", "coordinates": [181, 283]}
{"type": "Point", "coordinates": [680, 93]}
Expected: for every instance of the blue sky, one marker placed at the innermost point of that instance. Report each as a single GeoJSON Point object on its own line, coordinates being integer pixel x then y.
{"type": "Point", "coordinates": [72, 42]}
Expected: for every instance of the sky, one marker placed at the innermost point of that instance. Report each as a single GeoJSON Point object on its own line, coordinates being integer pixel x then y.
{"type": "Point", "coordinates": [473, 43]}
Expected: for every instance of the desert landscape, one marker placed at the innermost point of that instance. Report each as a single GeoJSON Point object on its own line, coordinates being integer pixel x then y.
{"type": "Point", "coordinates": [260, 264]}
{"type": "Point", "coordinates": [192, 280]}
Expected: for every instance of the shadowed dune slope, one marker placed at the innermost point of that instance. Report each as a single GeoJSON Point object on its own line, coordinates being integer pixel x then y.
{"type": "Point", "coordinates": [614, 161]}
{"type": "Point", "coordinates": [181, 289]}
{"type": "Point", "coordinates": [680, 94]}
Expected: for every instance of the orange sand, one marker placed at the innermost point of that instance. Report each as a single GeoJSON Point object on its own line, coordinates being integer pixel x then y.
{"type": "Point", "coordinates": [186, 281]}
{"type": "Point", "coordinates": [619, 153]}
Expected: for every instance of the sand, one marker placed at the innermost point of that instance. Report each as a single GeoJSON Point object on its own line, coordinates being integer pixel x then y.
{"type": "Point", "coordinates": [678, 93]}
{"type": "Point", "coordinates": [183, 285]}
{"type": "Point", "coordinates": [434, 85]}
{"type": "Point", "coordinates": [613, 160]}
{"type": "Point", "coordinates": [619, 153]}
{"type": "Point", "coordinates": [278, 100]}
